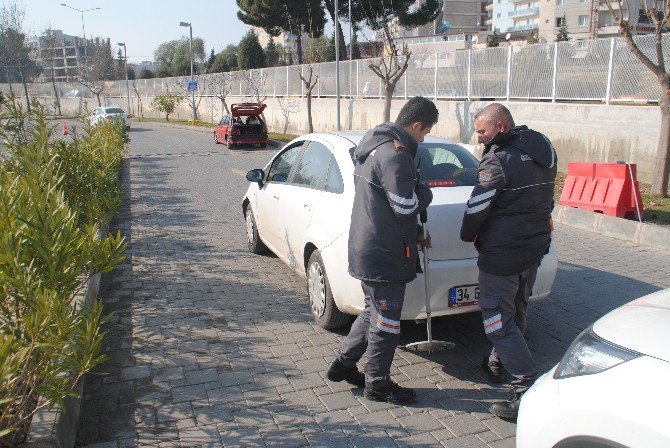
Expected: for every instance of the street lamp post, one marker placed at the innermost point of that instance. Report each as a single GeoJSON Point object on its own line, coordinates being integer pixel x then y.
{"type": "Point", "coordinates": [190, 46]}
{"type": "Point", "coordinates": [125, 69]}
{"type": "Point", "coordinates": [83, 30]}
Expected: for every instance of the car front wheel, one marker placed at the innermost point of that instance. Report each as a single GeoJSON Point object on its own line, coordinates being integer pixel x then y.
{"type": "Point", "coordinates": [324, 310]}
{"type": "Point", "coordinates": [254, 242]}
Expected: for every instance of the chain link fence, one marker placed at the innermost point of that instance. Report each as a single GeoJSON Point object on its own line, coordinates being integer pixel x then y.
{"type": "Point", "coordinates": [600, 70]}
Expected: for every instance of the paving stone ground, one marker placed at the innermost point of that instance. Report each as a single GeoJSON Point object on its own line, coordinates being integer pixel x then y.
{"type": "Point", "coordinates": [209, 345]}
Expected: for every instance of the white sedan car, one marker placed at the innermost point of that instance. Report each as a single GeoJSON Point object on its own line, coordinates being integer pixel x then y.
{"type": "Point", "coordinates": [610, 389]}
{"type": "Point", "coordinates": [100, 114]}
{"type": "Point", "coordinates": [299, 206]}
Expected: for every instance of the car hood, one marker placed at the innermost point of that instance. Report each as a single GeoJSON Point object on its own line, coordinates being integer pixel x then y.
{"type": "Point", "coordinates": [642, 325]}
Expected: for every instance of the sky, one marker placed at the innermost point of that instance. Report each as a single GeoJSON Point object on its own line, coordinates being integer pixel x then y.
{"type": "Point", "coordinates": [142, 24]}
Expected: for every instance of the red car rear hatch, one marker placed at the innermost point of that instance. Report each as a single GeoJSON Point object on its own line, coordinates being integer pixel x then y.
{"type": "Point", "coordinates": [247, 109]}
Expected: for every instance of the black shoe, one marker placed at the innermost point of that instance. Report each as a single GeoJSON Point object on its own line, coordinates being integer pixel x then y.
{"type": "Point", "coordinates": [494, 370]}
{"type": "Point", "coordinates": [338, 372]}
{"type": "Point", "coordinates": [391, 393]}
{"type": "Point", "coordinates": [509, 408]}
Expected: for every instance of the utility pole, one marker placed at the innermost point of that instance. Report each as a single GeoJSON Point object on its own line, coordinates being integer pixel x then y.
{"type": "Point", "coordinates": [190, 46]}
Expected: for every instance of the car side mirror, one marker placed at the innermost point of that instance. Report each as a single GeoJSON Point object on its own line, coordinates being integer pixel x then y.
{"type": "Point", "coordinates": [256, 175]}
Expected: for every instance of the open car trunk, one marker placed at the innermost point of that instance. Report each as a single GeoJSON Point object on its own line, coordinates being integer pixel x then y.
{"type": "Point", "coordinates": [248, 118]}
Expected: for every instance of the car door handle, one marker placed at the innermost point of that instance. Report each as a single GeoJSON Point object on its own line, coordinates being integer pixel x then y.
{"type": "Point", "coordinates": [307, 205]}
{"type": "Point", "coordinates": [276, 197]}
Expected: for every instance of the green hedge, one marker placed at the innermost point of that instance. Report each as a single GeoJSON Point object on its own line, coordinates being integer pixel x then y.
{"type": "Point", "coordinates": [55, 194]}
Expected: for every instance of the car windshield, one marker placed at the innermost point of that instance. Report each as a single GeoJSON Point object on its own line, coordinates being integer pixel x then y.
{"type": "Point", "coordinates": [114, 110]}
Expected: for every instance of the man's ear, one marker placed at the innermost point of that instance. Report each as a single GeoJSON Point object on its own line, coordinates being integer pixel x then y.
{"type": "Point", "coordinates": [501, 126]}
{"type": "Point", "coordinates": [417, 126]}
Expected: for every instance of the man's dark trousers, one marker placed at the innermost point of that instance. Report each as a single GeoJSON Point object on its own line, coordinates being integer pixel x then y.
{"type": "Point", "coordinates": [377, 331]}
{"type": "Point", "coordinates": [504, 304]}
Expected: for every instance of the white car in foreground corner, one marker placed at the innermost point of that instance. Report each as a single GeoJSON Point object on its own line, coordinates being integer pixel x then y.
{"type": "Point", "coordinates": [299, 206]}
{"type": "Point", "coordinates": [610, 390]}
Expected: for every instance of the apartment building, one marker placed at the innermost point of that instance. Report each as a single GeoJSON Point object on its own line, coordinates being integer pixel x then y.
{"type": "Point", "coordinates": [59, 54]}
{"type": "Point", "coordinates": [584, 19]}
{"type": "Point", "coordinates": [456, 17]}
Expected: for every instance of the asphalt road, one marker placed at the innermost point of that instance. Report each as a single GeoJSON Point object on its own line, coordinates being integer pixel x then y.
{"type": "Point", "coordinates": [212, 346]}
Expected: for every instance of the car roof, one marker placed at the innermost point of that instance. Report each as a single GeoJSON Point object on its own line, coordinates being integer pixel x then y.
{"type": "Point", "coordinates": [355, 137]}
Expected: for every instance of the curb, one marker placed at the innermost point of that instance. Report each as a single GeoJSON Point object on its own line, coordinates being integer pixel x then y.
{"type": "Point", "coordinates": [57, 427]}
{"type": "Point", "coordinates": [642, 234]}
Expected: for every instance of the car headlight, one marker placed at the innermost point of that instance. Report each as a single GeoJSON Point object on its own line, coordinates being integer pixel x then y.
{"type": "Point", "coordinates": [590, 354]}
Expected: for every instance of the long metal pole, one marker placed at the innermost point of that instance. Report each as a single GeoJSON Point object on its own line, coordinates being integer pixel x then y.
{"type": "Point", "coordinates": [351, 49]}
{"type": "Point", "coordinates": [337, 67]}
{"type": "Point", "coordinates": [190, 45]}
{"type": "Point", "coordinates": [125, 66]}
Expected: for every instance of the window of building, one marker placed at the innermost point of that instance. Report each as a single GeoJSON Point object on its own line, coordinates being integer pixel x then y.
{"type": "Point", "coordinates": [497, 16]}
{"type": "Point", "coordinates": [583, 20]}
{"type": "Point", "coordinates": [560, 2]}
{"type": "Point", "coordinates": [559, 21]}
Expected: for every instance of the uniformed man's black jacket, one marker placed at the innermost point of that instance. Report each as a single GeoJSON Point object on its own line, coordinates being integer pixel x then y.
{"type": "Point", "coordinates": [509, 211]}
{"type": "Point", "coordinates": [383, 231]}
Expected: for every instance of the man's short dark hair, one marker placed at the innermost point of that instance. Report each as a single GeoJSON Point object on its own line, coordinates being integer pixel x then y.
{"type": "Point", "coordinates": [418, 109]}
{"type": "Point", "coordinates": [496, 112]}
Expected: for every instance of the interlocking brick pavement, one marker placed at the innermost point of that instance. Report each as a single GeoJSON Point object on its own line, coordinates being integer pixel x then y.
{"type": "Point", "coordinates": [209, 345]}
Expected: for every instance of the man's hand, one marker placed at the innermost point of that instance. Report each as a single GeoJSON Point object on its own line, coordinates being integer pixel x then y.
{"type": "Point", "coordinates": [424, 242]}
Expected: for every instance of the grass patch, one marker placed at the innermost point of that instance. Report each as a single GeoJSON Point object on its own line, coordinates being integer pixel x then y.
{"type": "Point", "coordinates": [281, 137]}
{"type": "Point", "coordinates": [202, 124]}
{"type": "Point", "coordinates": [656, 208]}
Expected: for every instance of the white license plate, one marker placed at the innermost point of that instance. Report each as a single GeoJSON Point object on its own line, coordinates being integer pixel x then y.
{"type": "Point", "coordinates": [463, 296]}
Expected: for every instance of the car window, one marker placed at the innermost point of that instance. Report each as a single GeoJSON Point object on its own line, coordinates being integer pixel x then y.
{"type": "Point", "coordinates": [334, 182]}
{"type": "Point", "coordinates": [114, 110]}
{"type": "Point", "coordinates": [281, 165]}
{"type": "Point", "coordinates": [446, 165]}
{"type": "Point", "coordinates": [313, 165]}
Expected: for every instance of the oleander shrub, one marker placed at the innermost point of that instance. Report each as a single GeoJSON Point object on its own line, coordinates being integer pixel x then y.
{"type": "Point", "coordinates": [55, 195]}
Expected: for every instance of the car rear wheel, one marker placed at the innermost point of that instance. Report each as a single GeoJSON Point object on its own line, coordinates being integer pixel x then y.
{"type": "Point", "coordinates": [229, 143]}
{"type": "Point", "coordinates": [324, 310]}
{"type": "Point", "coordinates": [254, 242]}
{"type": "Point", "coordinates": [216, 139]}
{"type": "Point", "coordinates": [263, 145]}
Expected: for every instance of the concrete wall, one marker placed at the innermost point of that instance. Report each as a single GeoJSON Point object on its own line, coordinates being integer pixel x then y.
{"type": "Point", "coordinates": [579, 132]}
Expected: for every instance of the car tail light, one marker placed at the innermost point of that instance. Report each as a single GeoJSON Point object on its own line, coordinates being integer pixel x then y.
{"type": "Point", "coordinates": [110, 117]}
{"type": "Point", "coordinates": [441, 183]}
{"type": "Point", "coordinates": [130, 116]}
{"type": "Point", "coordinates": [235, 131]}
{"type": "Point", "coordinates": [264, 130]}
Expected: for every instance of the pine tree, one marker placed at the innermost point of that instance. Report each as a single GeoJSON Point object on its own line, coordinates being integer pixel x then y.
{"type": "Point", "coordinates": [493, 40]}
{"type": "Point", "coordinates": [250, 53]}
{"type": "Point", "coordinates": [562, 35]}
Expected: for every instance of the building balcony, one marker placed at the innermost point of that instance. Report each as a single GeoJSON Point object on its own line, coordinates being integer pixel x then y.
{"type": "Point", "coordinates": [489, 7]}
{"type": "Point", "coordinates": [526, 27]}
{"type": "Point", "coordinates": [488, 22]}
{"type": "Point", "coordinates": [520, 1]}
{"type": "Point", "coordinates": [526, 12]}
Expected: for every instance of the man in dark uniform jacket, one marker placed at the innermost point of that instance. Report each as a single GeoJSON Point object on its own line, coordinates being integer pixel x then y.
{"type": "Point", "coordinates": [383, 247]}
{"type": "Point", "coordinates": [508, 217]}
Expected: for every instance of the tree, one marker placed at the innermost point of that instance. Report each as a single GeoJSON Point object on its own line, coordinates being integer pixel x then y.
{"type": "Point", "coordinates": [49, 54]}
{"type": "Point", "coordinates": [145, 73]}
{"type": "Point", "coordinates": [562, 35]}
{"type": "Point", "coordinates": [210, 61]}
{"type": "Point", "coordinates": [255, 85]}
{"type": "Point", "coordinates": [181, 87]}
{"type": "Point", "coordinates": [658, 13]}
{"type": "Point", "coordinates": [493, 40]}
{"type": "Point", "coordinates": [288, 106]}
{"type": "Point", "coordinates": [343, 11]}
{"type": "Point", "coordinates": [275, 16]}
{"type": "Point", "coordinates": [166, 103]}
{"type": "Point", "coordinates": [309, 86]}
{"type": "Point", "coordinates": [17, 65]}
{"type": "Point", "coordinates": [97, 68]}
{"type": "Point", "coordinates": [174, 57]}
{"type": "Point", "coordinates": [385, 17]}
{"type": "Point", "coordinates": [221, 84]}
{"type": "Point", "coordinates": [533, 38]}
{"type": "Point", "coordinates": [250, 53]}
{"type": "Point", "coordinates": [136, 91]}
{"type": "Point", "coordinates": [130, 72]}
{"type": "Point", "coordinates": [225, 61]}
{"type": "Point", "coordinates": [271, 55]}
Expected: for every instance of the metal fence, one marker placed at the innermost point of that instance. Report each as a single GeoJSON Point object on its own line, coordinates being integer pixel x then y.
{"type": "Point", "coordinates": [601, 70]}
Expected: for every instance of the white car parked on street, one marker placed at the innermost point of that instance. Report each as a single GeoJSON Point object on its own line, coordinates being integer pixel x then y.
{"type": "Point", "coordinates": [299, 206]}
{"type": "Point", "coordinates": [610, 390]}
{"type": "Point", "coordinates": [101, 114]}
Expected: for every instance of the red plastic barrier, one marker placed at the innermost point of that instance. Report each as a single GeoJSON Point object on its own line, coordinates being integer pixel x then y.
{"type": "Point", "coordinates": [604, 188]}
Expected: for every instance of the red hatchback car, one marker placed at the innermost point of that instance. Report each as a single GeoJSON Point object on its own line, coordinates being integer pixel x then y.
{"type": "Point", "coordinates": [244, 126]}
